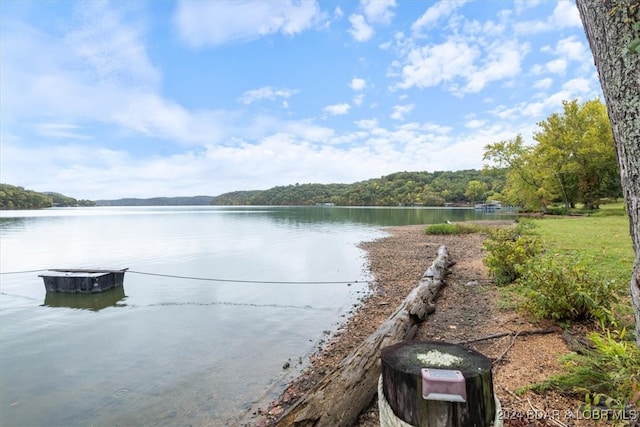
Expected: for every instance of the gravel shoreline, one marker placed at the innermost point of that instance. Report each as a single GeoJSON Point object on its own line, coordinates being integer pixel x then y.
{"type": "Point", "coordinates": [468, 307]}
{"type": "Point", "coordinates": [397, 263]}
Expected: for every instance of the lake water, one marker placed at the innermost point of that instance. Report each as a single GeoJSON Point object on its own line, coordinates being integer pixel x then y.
{"type": "Point", "coordinates": [178, 344]}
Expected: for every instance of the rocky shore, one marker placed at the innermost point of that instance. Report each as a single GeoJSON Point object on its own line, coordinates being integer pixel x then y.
{"type": "Point", "coordinates": [468, 308]}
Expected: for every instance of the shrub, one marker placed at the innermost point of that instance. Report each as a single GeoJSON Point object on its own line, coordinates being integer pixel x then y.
{"type": "Point", "coordinates": [456, 228]}
{"type": "Point", "coordinates": [563, 289]}
{"type": "Point", "coordinates": [607, 375]}
{"type": "Point", "coordinates": [507, 252]}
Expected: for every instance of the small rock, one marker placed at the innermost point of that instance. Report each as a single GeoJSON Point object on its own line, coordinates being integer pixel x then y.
{"type": "Point", "coordinates": [472, 283]}
{"type": "Point", "coordinates": [287, 365]}
{"type": "Point", "coordinates": [276, 411]}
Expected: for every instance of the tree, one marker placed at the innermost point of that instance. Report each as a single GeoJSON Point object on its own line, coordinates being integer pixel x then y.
{"type": "Point", "coordinates": [525, 184]}
{"type": "Point", "coordinates": [475, 190]}
{"type": "Point", "coordinates": [613, 30]}
{"type": "Point", "coordinates": [577, 149]}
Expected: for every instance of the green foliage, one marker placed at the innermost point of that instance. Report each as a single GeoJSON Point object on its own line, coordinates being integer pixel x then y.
{"type": "Point", "coordinates": [554, 285]}
{"type": "Point", "coordinates": [397, 189]}
{"type": "Point", "coordinates": [12, 197]}
{"type": "Point", "coordinates": [456, 228]}
{"type": "Point", "coordinates": [476, 190]}
{"type": "Point", "coordinates": [607, 375]}
{"type": "Point", "coordinates": [60, 200]}
{"type": "Point", "coordinates": [573, 160]}
{"type": "Point", "coordinates": [508, 250]}
{"type": "Point", "coordinates": [562, 288]}
{"type": "Point", "coordinates": [524, 181]}
{"type": "Point", "coordinates": [157, 201]}
{"type": "Point", "coordinates": [577, 150]}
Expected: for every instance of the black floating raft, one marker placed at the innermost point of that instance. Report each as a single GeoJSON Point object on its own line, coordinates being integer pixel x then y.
{"type": "Point", "coordinates": [84, 281]}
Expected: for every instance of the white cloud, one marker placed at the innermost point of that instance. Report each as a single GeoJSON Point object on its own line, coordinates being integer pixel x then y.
{"type": "Point", "coordinates": [265, 92]}
{"type": "Point", "coordinates": [473, 55]}
{"type": "Point", "coordinates": [358, 84]}
{"type": "Point", "coordinates": [337, 109]}
{"type": "Point", "coordinates": [367, 123]}
{"type": "Point", "coordinates": [372, 12]}
{"type": "Point", "coordinates": [475, 123]}
{"type": "Point", "coordinates": [60, 130]}
{"type": "Point", "coordinates": [522, 5]}
{"type": "Point", "coordinates": [103, 67]}
{"type": "Point", "coordinates": [572, 49]}
{"type": "Point", "coordinates": [399, 111]}
{"type": "Point", "coordinates": [503, 62]}
{"type": "Point", "coordinates": [577, 86]}
{"type": "Point", "coordinates": [442, 9]}
{"type": "Point", "coordinates": [378, 11]}
{"type": "Point", "coordinates": [431, 65]}
{"type": "Point", "coordinates": [360, 30]}
{"type": "Point", "coordinates": [358, 99]}
{"type": "Point", "coordinates": [113, 48]}
{"type": "Point", "coordinates": [556, 66]}
{"type": "Point", "coordinates": [565, 15]}
{"type": "Point", "coordinates": [543, 83]}
{"type": "Point", "coordinates": [212, 23]}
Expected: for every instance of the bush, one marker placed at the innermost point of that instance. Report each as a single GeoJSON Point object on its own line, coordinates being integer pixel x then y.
{"type": "Point", "coordinates": [507, 252]}
{"type": "Point", "coordinates": [607, 375]}
{"type": "Point", "coordinates": [456, 228]}
{"type": "Point", "coordinates": [562, 289]}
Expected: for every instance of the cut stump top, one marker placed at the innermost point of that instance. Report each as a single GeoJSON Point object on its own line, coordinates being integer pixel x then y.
{"type": "Point", "coordinates": [411, 356]}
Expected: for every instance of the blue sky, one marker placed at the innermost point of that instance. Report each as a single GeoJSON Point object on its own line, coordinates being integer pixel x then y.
{"type": "Point", "coordinates": [118, 99]}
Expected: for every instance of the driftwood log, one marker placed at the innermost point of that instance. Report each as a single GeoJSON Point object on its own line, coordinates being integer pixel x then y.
{"type": "Point", "coordinates": [338, 399]}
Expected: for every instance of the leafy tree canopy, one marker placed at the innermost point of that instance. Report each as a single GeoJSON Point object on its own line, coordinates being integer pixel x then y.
{"type": "Point", "coordinates": [573, 160]}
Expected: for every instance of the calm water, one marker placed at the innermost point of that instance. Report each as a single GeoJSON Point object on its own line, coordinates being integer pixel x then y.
{"type": "Point", "coordinates": [167, 351]}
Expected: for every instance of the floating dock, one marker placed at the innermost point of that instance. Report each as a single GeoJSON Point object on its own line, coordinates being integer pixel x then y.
{"type": "Point", "coordinates": [84, 281]}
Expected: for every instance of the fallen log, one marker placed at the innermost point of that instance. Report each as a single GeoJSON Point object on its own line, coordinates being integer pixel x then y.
{"type": "Point", "coordinates": [338, 399]}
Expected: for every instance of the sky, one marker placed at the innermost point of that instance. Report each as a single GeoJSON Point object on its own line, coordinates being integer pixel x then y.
{"type": "Point", "coordinates": [105, 100]}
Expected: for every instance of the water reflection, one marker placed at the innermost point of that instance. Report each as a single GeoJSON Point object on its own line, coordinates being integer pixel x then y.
{"type": "Point", "coordinates": [93, 302]}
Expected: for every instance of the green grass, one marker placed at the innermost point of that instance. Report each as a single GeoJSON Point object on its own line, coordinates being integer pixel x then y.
{"type": "Point", "coordinates": [611, 209]}
{"type": "Point", "coordinates": [455, 228]}
{"type": "Point", "coordinates": [601, 241]}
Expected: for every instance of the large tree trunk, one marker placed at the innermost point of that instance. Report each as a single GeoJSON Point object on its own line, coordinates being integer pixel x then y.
{"type": "Point", "coordinates": [613, 30]}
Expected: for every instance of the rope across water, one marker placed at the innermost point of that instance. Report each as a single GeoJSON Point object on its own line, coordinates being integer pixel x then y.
{"type": "Point", "coordinates": [213, 279]}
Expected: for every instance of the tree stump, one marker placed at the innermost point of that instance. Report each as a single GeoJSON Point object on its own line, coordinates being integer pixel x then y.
{"type": "Point", "coordinates": [455, 389]}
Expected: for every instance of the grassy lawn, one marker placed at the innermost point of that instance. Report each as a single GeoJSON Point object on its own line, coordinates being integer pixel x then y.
{"type": "Point", "coordinates": [603, 242]}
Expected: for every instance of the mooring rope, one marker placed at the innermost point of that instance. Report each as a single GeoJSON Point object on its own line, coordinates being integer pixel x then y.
{"type": "Point", "coordinates": [212, 279]}
{"type": "Point", "coordinates": [22, 272]}
{"type": "Point", "coordinates": [271, 282]}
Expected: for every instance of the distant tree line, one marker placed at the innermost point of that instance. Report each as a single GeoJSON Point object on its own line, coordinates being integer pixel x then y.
{"type": "Point", "coordinates": [158, 201]}
{"type": "Point", "coordinates": [14, 197]}
{"type": "Point", "coordinates": [398, 189]}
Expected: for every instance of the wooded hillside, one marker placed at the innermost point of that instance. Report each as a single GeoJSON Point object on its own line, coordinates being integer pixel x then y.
{"type": "Point", "coordinates": [14, 197]}
{"type": "Point", "coordinates": [400, 188]}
